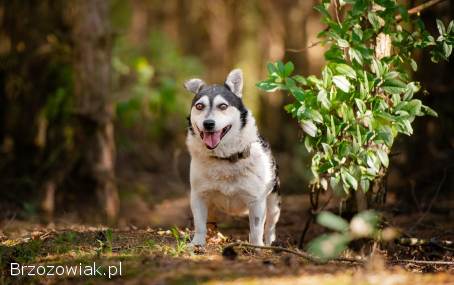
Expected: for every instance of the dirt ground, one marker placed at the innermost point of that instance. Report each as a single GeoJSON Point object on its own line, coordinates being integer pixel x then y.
{"type": "Point", "coordinates": [153, 255]}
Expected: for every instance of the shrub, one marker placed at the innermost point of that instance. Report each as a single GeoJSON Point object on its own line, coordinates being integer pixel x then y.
{"type": "Point", "coordinates": [365, 96]}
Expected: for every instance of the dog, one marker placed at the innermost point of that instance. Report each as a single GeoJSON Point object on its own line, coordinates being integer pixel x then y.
{"type": "Point", "coordinates": [232, 168]}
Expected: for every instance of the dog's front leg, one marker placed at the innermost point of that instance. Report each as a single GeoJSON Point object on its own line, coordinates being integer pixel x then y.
{"type": "Point", "coordinates": [257, 221]}
{"type": "Point", "coordinates": [199, 212]}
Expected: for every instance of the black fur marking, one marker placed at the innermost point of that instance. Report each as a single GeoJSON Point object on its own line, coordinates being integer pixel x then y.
{"type": "Point", "coordinates": [243, 118]}
{"type": "Point", "coordinates": [265, 144]}
{"type": "Point", "coordinates": [276, 182]}
{"type": "Point", "coordinates": [190, 128]}
{"type": "Point", "coordinates": [211, 91]}
{"type": "Point", "coordinates": [256, 221]}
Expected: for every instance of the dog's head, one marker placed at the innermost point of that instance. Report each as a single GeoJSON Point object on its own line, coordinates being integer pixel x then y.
{"type": "Point", "coordinates": [217, 111]}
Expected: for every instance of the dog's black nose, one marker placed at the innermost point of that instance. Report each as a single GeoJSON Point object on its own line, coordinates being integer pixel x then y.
{"type": "Point", "coordinates": [209, 125]}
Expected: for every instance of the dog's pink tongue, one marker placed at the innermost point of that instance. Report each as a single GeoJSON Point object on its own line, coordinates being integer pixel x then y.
{"type": "Point", "coordinates": [211, 139]}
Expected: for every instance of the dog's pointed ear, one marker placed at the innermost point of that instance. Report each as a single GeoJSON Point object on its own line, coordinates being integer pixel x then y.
{"type": "Point", "coordinates": [194, 85]}
{"type": "Point", "coordinates": [235, 82]}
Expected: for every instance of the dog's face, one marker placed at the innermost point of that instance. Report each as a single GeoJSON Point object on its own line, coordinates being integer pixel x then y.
{"type": "Point", "coordinates": [217, 112]}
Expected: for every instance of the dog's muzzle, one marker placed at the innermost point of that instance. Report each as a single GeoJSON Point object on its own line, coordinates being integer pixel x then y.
{"type": "Point", "coordinates": [211, 139]}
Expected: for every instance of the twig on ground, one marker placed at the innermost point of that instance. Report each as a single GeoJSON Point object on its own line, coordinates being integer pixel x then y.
{"type": "Point", "coordinates": [314, 259]}
{"type": "Point", "coordinates": [412, 241]}
{"type": "Point", "coordinates": [301, 254]}
{"type": "Point", "coordinates": [429, 262]}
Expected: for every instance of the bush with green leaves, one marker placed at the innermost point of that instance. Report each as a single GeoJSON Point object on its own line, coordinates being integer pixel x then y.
{"type": "Point", "coordinates": [352, 114]}
{"type": "Point", "coordinates": [362, 225]}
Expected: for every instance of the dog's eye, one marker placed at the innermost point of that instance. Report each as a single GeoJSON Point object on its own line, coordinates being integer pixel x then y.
{"type": "Point", "coordinates": [199, 106]}
{"type": "Point", "coordinates": [223, 106]}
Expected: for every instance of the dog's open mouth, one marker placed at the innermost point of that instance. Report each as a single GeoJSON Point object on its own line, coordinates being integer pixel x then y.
{"type": "Point", "coordinates": [212, 139]}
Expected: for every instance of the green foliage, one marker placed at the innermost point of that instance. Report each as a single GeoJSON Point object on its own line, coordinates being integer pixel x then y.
{"type": "Point", "coordinates": [352, 114]}
{"type": "Point", "coordinates": [327, 246]}
{"type": "Point", "coordinates": [23, 253]}
{"type": "Point", "coordinates": [64, 241]}
{"type": "Point", "coordinates": [181, 241]}
{"type": "Point", "coordinates": [105, 242]}
{"type": "Point", "coordinates": [148, 84]}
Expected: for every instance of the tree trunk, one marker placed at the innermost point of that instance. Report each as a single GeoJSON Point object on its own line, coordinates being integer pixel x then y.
{"type": "Point", "coordinates": [94, 109]}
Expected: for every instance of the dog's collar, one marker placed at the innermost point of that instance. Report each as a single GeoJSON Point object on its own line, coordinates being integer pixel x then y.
{"type": "Point", "coordinates": [236, 156]}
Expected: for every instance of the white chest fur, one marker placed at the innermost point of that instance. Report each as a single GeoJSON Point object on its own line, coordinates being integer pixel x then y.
{"type": "Point", "coordinates": [232, 186]}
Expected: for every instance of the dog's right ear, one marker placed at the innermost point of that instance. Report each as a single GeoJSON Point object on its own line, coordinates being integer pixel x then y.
{"type": "Point", "coordinates": [194, 85]}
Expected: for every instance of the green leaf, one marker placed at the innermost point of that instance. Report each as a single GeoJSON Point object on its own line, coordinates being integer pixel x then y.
{"type": "Point", "coordinates": [272, 69]}
{"type": "Point", "coordinates": [450, 27]}
{"type": "Point", "coordinates": [371, 161]}
{"type": "Point", "coordinates": [364, 224]}
{"type": "Point", "coordinates": [413, 64]}
{"type": "Point", "coordinates": [298, 94]}
{"type": "Point", "coordinates": [309, 127]}
{"type": "Point", "coordinates": [447, 50]}
{"type": "Point", "coordinates": [349, 179]}
{"type": "Point", "coordinates": [334, 53]}
{"type": "Point", "coordinates": [308, 144]}
{"type": "Point", "coordinates": [383, 156]}
{"type": "Point", "coordinates": [364, 184]}
{"type": "Point", "coordinates": [393, 89]}
{"type": "Point", "coordinates": [413, 107]}
{"type": "Point", "coordinates": [391, 75]}
{"type": "Point", "coordinates": [358, 136]}
{"type": "Point", "coordinates": [288, 68]}
{"type": "Point", "coordinates": [441, 27]}
{"type": "Point", "coordinates": [377, 67]}
{"type": "Point", "coordinates": [327, 149]}
{"type": "Point", "coordinates": [327, 76]}
{"type": "Point", "coordinates": [354, 54]}
{"type": "Point", "coordinates": [300, 79]}
{"type": "Point", "coordinates": [268, 86]}
{"type": "Point", "coordinates": [328, 246]}
{"type": "Point", "coordinates": [332, 221]}
{"type": "Point", "coordinates": [429, 111]}
{"type": "Point", "coordinates": [344, 69]}
{"type": "Point", "coordinates": [315, 116]}
{"type": "Point", "coordinates": [375, 20]}
{"type": "Point", "coordinates": [341, 82]}
{"type": "Point", "coordinates": [342, 43]}
{"type": "Point", "coordinates": [360, 105]}
{"type": "Point", "coordinates": [323, 99]}
{"type": "Point", "coordinates": [406, 127]}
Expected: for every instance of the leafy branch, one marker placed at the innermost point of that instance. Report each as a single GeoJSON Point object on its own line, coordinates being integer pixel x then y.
{"type": "Point", "coordinates": [352, 114]}
{"type": "Point", "coordinates": [415, 10]}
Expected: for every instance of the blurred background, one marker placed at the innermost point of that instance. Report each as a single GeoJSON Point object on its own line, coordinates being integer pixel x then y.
{"type": "Point", "coordinates": [93, 110]}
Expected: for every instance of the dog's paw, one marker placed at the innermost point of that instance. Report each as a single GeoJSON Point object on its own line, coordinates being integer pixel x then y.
{"type": "Point", "coordinates": [196, 248]}
{"type": "Point", "coordinates": [198, 240]}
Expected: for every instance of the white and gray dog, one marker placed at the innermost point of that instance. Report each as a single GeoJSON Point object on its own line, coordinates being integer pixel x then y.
{"type": "Point", "coordinates": [232, 168]}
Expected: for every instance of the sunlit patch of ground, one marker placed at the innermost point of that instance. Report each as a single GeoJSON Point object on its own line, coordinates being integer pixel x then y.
{"type": "Point", "coordinates": [154, 256]}
{"type": "Point", "coordinates": [160, 256]}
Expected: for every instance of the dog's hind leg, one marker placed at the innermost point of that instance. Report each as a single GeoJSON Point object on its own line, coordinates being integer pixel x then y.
{"type": "Point", "coordinates": [257, 212]}
{"type": "Point", "coordinates": [273, 211]}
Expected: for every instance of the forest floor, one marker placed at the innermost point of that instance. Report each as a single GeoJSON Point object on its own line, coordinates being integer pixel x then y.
{"type": "Point", "coordinates": [161, 256]}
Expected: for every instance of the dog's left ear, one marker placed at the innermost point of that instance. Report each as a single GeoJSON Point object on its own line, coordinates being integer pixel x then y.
{"type": "Point", "coordinates": [194, 85]}
{"type": "Point", "coordinates": [235, 82]}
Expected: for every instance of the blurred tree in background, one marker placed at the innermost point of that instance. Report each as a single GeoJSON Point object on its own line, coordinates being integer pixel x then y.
{"type": "Point", "coordinates": [129, 58]}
